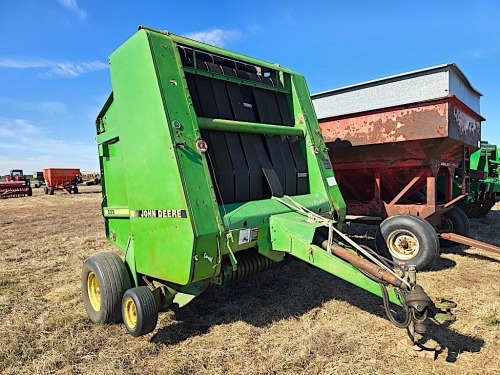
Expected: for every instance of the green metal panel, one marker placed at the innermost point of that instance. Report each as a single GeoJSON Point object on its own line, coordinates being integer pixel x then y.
{"type": "Point", "coordinates": [149, 165]}
{"type": "Point", "coordinates": [195, 176]}
{"type": "Point", "coordinates": [320, 167]}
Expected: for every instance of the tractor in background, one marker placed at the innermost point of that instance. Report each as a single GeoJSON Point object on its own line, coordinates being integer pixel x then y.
{"type": "Point", "coordinates": [16, 185]}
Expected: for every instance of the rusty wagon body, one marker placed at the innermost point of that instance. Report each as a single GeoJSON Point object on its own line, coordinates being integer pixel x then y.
{"type": "Point", "coordinates": [391, 139]}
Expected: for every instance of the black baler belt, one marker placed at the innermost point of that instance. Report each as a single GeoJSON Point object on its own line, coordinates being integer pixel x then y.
{"type": "Point", "coordinates": [241, 113]}
{"type": "Point", "coordinates": [267, 107]}
{"type": "Point", "coordinates": [274, 109]}
{"type": "Point", "coordinates": [278, 164]}
{"type": "Point", "coordinates": [220, 94]}
{"type": "Point", "coordinates": [284, 110]}
{"type": "Point", "coordinates": [241, 173]}
{"type": "Point", "coordinates": [193, 92]}
{"type": "Point", "coordinates": [207, 97]}
{"type": "Point", "coordinates": [300, 164]}
{"type": "Point", "coordinates": [290, 169]}
{"type": "Point", "coordinates": [222, 100]}
{"type": "Point", "coordinates": [248, 102]}
{"type": "Point", "coordinates": [262, 108]}
{"type": "Point", "coordinates": [228, 71]}
{"type": "Point", "coordinates": [254, 167]}
{"type": "Point", "coordinates": [224, 168]}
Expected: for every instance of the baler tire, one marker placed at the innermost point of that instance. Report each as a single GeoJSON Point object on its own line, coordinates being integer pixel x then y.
{"type": "Point", "coordinates": [105, 279]}
{"type": "Point", "coordinates": [51, 191]}
{"type": "Point", "coordinates": [455, 221]}
{"type": "Point", "coordinates": [139, 311]}
{"type": "Point", "coordinates": [75, 190]}
{"type": "Point", "coordinates": [412, 229]}
{"type": "Point", "coordinates": [46, 190]}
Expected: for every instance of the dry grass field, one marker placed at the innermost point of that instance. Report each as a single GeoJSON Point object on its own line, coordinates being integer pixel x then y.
{"type": "Point", "coordinates": [290, 320]}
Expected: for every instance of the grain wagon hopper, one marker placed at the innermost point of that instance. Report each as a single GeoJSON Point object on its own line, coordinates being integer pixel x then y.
{"type": "Point", "coordinates": [242, 182]}
{"type": "Point", "coordinates": [15, 185]}
{"type": "Point", "coordinates": [390, 140]}
{"type": "Point", "coordinates": [65, 179]}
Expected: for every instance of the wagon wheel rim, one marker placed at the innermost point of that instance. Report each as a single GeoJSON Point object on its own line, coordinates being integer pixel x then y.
{"type": "Point", "coordinates": [130, 317]}
{"type": "Point", "coordinates": [94, 291]}
{"type": "Point", "coordinates": [403, 244]}
{"type": "Point", "coordinates": [445, 226]}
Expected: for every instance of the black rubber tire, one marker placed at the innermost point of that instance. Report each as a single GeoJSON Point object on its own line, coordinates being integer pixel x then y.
{"type": "Point", "coordinates": [46, 190]}
{"type": "Point", "coordinates": [145, 311]}
{"type": "Point", "coordinates": [75, 190]}
{"type": "Point", "coordinates": [113, 280]}
{"type": "Point", "coordinates": [51, 191]}
{"type": "Point", "coordinates": [455, 221]}
{"type": "Point", "coordinates": [418, 230]}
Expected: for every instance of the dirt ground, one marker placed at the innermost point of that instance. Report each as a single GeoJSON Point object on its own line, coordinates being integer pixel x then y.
{"type": "Point", "coordinates": [289, 320]}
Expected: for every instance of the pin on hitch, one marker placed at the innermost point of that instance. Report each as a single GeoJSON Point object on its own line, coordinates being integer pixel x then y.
{"type": "Point", "coordinates": [423, 308]}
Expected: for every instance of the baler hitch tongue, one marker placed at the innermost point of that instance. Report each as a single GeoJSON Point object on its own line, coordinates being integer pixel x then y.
{"type": "Point", "coordinates": [419, 306]}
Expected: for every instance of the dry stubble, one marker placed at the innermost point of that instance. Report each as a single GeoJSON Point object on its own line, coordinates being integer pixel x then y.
{"type": "Point", "coordinates": [293, 319]}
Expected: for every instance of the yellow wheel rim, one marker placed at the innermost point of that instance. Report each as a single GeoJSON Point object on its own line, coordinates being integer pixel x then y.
{"type": "Point", "coordinates": [93, 291]}
{"type": "Point", "coordinates": [130, 312]}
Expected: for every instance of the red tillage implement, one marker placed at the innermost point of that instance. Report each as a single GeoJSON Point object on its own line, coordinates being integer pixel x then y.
{"type": "Point", "coordinates": [389, 141]}
{"type": "Point", "coordinates": [15, 189]}
{"type": "Point", "coordinates": [61, 179]}
{"type": "Point", "coordinates": [16, 185]}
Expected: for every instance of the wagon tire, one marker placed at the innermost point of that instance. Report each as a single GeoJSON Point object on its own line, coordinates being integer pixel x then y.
{"type": "Point", "coordinates": [455, 221]}
{"type": "Point", "coordinates": [46, 190]}
{"type": "Point", "coordinates": [139, 311]}
{"type": "Point", "coordinates": [408, 240]}
{"type": "Point", "coordinates": [75, 190]}
{"type": "Point", "coordinates": [51, 191]}
{"type": "Point", "coordinates": [105, 279]}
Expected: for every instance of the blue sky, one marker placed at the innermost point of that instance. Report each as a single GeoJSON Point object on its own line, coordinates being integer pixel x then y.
{"type": "Point", "coordinates": [53, 56]}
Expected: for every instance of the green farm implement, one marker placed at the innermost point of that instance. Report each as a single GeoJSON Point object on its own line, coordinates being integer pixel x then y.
{"type": "Point", "coordinates": [239, 181]}
{"type": "Point", "coordinates": [484, 181]}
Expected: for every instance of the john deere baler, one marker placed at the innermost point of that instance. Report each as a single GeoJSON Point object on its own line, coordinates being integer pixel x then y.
{"type": "Point", "coordinates": [214, 167]}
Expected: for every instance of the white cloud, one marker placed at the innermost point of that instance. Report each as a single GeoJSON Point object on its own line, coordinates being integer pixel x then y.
{"type": "Point", "coordinates": [64, 69]}
{"type": "Point", "coordinates": [70, 70]}
{"type": "Point", "coordinates": [47, 107]}
{"type": "Point", "coordinates": [73, 6]}
{"type": "Point", "coordinates": [216, 37]}
{"type": "Point", "coordinates": [25, 63]}
{"type": "Point", "coordinates": [29, 147]}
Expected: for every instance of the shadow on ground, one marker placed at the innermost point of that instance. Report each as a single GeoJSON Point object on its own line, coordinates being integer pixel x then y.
{"type": "Point", "coordinates": [289, 291]}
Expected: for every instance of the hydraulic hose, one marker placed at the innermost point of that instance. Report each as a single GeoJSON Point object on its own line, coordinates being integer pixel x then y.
{"type": "Point", "coordinates": [387, 308]}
